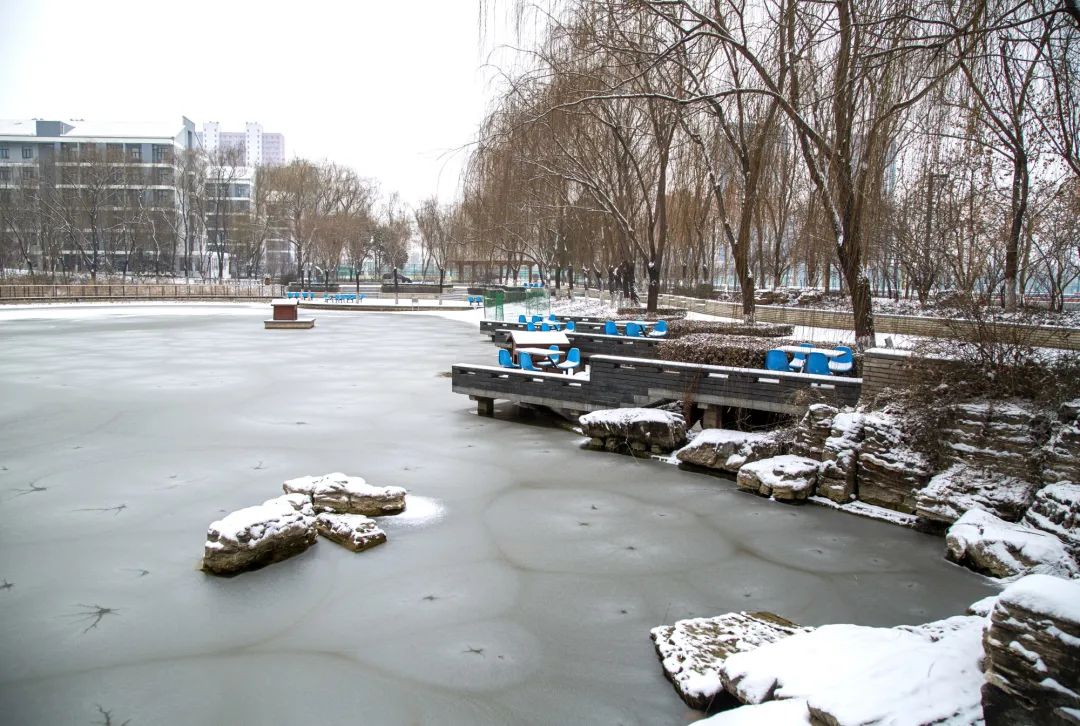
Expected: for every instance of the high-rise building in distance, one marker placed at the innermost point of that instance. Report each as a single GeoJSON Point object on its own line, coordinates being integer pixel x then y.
{"type": "Point", "coordinates": [258, 148]}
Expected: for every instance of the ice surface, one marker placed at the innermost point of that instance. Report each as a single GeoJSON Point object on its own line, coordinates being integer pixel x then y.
{"type": "Point", "coordinates": [183, 418]}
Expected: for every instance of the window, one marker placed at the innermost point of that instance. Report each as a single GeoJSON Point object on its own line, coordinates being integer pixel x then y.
{"type": "Point", "coordinates": [161, 154]}
{"type": "Point", "coordinates": [29, 173]}
{"type": "Point", "coordinates": [5, 174]}
{"type": "Point", "coordinates": [3, 152]}
{"type": "Point", "coordinates": [28, 152]}
{"type": "Point", "coordinates": [135, 153]}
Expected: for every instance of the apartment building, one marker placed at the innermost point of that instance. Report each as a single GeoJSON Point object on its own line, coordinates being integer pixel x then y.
{"type": "Point", "coordinates": [104, 187]}
{"type": "Point", "coordinates": [256, 146]}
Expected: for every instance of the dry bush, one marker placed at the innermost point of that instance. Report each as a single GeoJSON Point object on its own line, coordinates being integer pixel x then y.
{"type": "Point", "coordinates": [681, 328]}
{"type": "Point", "coordinates": [669, 314]}
{"type": "Point", "coordinates": [740, 351]}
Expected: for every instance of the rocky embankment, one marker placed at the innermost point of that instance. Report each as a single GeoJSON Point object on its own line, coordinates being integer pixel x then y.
{"type": "Point", "coordinates": [333, 505]}
{"type": "Point", "coordinates": [1000, 480]}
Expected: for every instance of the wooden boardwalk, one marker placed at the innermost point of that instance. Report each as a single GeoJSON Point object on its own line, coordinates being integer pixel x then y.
{"type": "Point", "coordinates": [619, 382]}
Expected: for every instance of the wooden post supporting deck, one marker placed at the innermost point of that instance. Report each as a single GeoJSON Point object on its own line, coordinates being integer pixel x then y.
{"type": "Point", "coordinates": [712, 418]}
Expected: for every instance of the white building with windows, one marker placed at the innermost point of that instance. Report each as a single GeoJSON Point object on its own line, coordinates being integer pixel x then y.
{"type": "Point", "coordinates": [258, 148]}
{"type": "Point", "coordinates": [136, 164]}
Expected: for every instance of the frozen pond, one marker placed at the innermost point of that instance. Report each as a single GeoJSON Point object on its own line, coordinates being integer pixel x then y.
{"type": "Point", "coordinates": [519, 589]}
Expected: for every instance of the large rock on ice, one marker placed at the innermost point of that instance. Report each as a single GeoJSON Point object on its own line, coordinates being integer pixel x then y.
{"type": "Point", "coordinates": [1032, 651]}
{"type": "Point", "coordinates": [728, 450]}
{"type": "Point", "coordinates": [254, 537]}
{"type": "Point", "coordinates": [962, 487]}
{"type": "Point", "coordinates": [785, 478]}
{"type": "Point", "coordinates": [838, 478]}
{"type": "Point", "coordinates": [352, 531]}
{"type": "Point", "coordinates": [692, 652]}
{"type": "Point", "coordinates": [984, 543]}
{"type": "Point", "coordinates": [890, 471]}
{"type": "Point", "coordinates": [813, 429]}
{"type": "Point", "coordinates": [640, 429]}
{"type": "Point", "coordinates": [852, 674]}
{"type": "Point", "coordinates": [348, 495]}
{"type": "Point", "coordinates": [1056, 509]}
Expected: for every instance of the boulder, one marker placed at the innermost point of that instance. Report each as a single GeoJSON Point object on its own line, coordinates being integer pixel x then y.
{"type": "Point", "coordinates": [984, 543]}
{"type": "Point", "coordinates": [692, 652]}
{"type": "Point", "coordinates": [352, 531]}
{"type": "Point", "coordinates": [813, 429]}
{"type": "Point", "coordinates": [1002, 436]}
{"type": "Point", "coordinates": [728, 450]}
{"type": "Point", "coordinates": [1056, 509]}
{"type": "Point", "coordinates": [1032, 654]}
{"type": "Point", "coordinates": [348, 495]}
{"type": "Point", "coordinates": [890, 471]}
{"type": "Point", "coordinates": [854, 675]}
{"type": "Point", "coordinates": [254, 537]}
{"type": "Point", "coordinates": [962, 487]}
{"type": "Point", "coordinates": [640, 429]}
{"type": "Point", "coordinates": [837, 479]}
{"type": "Point", "coordinates": [785, 478]}
{"type": "Point", "coordinates": [1061, 459]}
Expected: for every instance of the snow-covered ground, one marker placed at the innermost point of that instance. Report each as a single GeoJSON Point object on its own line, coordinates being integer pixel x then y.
{"type": "Point", "coordinates": [522, 578]}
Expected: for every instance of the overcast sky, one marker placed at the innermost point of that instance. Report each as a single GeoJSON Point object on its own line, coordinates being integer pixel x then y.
{"type": "Point", "coordinates": [389, 88]}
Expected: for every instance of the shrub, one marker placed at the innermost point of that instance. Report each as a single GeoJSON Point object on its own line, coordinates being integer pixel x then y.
{"type": "Point", "coordinates": [740, 351]}
{"type": "Point", "coordinates": [681, 328]}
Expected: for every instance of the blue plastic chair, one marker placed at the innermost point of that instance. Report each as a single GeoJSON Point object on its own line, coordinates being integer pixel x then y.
{"type": "Point", "coordinates": [570, 326]}
{"type": "Point", "coordinates": [659, 330]}
{"type": "Point", "coordinates": [530, 326]}
{"type": "Point", "coordinates": [525, 360]}
{"type": "Point", "coordinates": [537, 318]}
{"type": "Point", "coordinates": [633, 330]}
{"type": "Point", "coordinates": [552, 318]}
{"type": "Point", "coordinates": [817, 364]}
{"type": "Point", "coordinates": [844, 363]}
{"type": "Point", "coordinates": [776, 360]}
{"type": "Point", "coordinates": [545, 327]}
{"type": "Point", "coordinates": [573, 360]}
{"type": "Point", "coordinates": [506, 360]}
{"type": "Point", "coordinates": [522, 319]}
{"type": "Point", "coordinates": [798, 361]}
{"type": "Point", "coordinates": [362, 296]}
{"type": "Point", "coordinates": [610, 328]}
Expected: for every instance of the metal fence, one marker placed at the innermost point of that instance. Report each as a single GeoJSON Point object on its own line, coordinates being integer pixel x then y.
{"type": "Point", "coordinates": [108, 291]}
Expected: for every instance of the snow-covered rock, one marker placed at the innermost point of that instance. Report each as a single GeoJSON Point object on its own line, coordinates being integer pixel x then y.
{"type": "Point", "coordinates": [1056, 509]}
{"type": "Point", "coordinates": [692, 652]}
{"type": "Point", "coordinates": [352, 531]}
{"type": "Point", "coordinates": [1062, 451]}
{"type": "Point", "coordinates": [348, 495]}
{"type": "Point", "coordinates": [728, 450]}
{"type": "Point", "coordinates": [640, 429]}
{"type": "Point", "coordinates": [851, 674]}
{"type": "Point", "coordinates": [890, 471]}
{"type": "Point", "coordinates": [785, 478]}
{"type": "Point", "coordinates": [254, 537]}
{"type": "Point", "coordinates": [813, 429]}
{"type": "Point", "coordinates": [962, 487]}
{"type": "Point", "coordinates": [1001, 436]}
{"type": "Point", "coordinates": [1032, 649]}
{"type": "Point", "coordinates": [984, 543]}
{"type": "Point", "coordinates": [838, 477]}
{"type": "Point", "coordinates": [787, 712]}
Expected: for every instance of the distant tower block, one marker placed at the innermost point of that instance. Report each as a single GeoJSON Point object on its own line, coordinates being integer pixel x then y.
{"type": "Point", "coordinates": [286, 315]}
